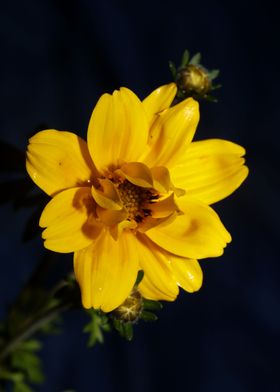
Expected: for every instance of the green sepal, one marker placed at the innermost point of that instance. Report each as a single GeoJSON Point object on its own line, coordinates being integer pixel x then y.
{"type": "Point", "coordinates": [139, 277]}
{"type": "Point", "coordinates": [213, 74]}
{"type": "Point", "coordinates": [172, 69]}
{"type": "Point", "coordinates": [216, 87]}
{"type": "Point", "coordinates": [195, 60]}
{"type": "Point", "coordinates": [154, 306]}
{"type": "Point", "coordinates": [181, 94]}
{"type": "Point", "coordinates": [210, 98]}
{"type": "Point", "coordinates": [185, 58]}
{"type": "Point", "coordinates": [128, 331]}
{"type": "Point", "coordinates": [124, 329]}
{"type": "Point", "coordinates": [148, 316]}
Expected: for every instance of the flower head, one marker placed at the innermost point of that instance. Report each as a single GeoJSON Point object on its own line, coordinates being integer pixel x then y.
{"type": "Point", "coordinates": [136, 196]}
{"type": "Point", "coordinates": [193, 79]}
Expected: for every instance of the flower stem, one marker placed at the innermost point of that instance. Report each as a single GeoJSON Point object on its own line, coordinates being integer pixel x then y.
{"type": "Point", "coordinates": [32, 327]}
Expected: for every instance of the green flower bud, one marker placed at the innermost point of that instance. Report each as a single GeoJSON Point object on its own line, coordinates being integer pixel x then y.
{"type": "Point", "coordinates": [193, 79]}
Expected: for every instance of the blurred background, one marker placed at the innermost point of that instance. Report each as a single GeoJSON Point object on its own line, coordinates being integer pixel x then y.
{"type": "Point", "coordinates": [57, 58]}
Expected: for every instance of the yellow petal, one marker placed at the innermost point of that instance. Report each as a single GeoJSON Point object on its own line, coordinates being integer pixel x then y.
{"type": "Point", "coordinates": [137, 173]}
{"type": "Point", "coordinates": [158, 282]}
{"type": "Point", "coordinates": [161, 179]}
{"type": "Point", "coordinates": [58, 160]}
{"type": "Point", "coordinates": [149, 290]}
{"type": "Point", "coordinates": [106, 271]}
{"type": "Point", "coordinates": [117, 229]}
{"type": "Point", "coordinates": [162, 208]}
{"type": "Point", "coordinates": [69, 221]}
{"type": "Point", "coordinates": [118, 130]}
{"type": "Point", "coordinates": [163, 271]}
{"type": "Point", "coordinates": [211, 170]}
{"type": "Point", "coordinates": [196, 234]}
{"type": "Point", "coordinates": [158, 100]}
{"type": "Point", "coordinates": [171, 134]}
{"type": "Point", "coordinates": [111, 217]}
{"type": "Point", "coordinates": [108, 197]}
{"type": "Point", "coordinates": [187, 273]}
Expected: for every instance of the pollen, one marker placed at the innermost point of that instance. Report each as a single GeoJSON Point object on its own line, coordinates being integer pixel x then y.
{"type": "Point", "coordinates": [135, 200]}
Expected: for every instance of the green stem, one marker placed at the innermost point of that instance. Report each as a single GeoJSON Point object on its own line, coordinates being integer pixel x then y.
{"type": "Point", "coordinates": [31, 328]}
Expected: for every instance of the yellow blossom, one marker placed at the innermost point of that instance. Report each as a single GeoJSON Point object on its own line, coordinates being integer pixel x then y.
{"type": "Point", "coordinates": [136, 196]}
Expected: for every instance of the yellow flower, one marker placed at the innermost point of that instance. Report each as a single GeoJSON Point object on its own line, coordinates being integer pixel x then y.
{"type": "Point", "coordinates": [136, 196]}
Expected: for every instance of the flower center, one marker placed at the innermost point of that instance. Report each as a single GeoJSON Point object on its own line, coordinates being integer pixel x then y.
{"type": "Point", "coordinates": [135, 200]}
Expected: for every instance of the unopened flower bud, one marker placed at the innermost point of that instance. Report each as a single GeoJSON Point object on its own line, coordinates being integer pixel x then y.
{"type": "Point", "coordinates": [131, 309]}
{"type": "Point", "coordinates": [193, 79]}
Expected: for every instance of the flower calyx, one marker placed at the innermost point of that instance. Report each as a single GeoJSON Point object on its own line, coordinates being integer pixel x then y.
{"type": "Point", "coordinates": [133, 309]}
{"type": "Point", "coordinates": [193, 79]}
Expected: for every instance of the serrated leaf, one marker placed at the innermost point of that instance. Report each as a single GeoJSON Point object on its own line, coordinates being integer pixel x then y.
{"type": "Point", "coordinates": [195, 60]}
{"type": "Point", "coordinates": [11, 376]}
{"type": "Point", "coordinates": [96, 326]}
{"type": "Point", "coordinates": [21, 387]}
{"type": "Point", "coordinates": [185, 58]}
{"type": "Point", "coordinates": [28, 363]}
{"type": "Point", "coordinates": [53, 327]}
{"type": "Point", "coordinates": [30, 345]}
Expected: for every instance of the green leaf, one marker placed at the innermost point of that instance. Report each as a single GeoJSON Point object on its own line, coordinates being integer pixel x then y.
{"type": "Point", "coordinates": [185, 58]}
{"type": "Point", "coordinates": [96, 326]}
{"type": "Point", "coordinates": [21, 387]}
{"type": "Point", "coordinates": [195, 60]}
{"type": "Point", "coordinates": [11, 376]}
{"type": "Point", "coordinates": [28, 363]}
{"type": "Point", "coordinates": [31, 345]}
{"type": "Point", "coordinates": [53, 327]}
{"type": "Point", "coordinates": [17, 379]}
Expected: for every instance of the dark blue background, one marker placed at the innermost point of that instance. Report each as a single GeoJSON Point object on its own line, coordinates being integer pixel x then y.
{"type": "Point", "coordinates": [57, 58]}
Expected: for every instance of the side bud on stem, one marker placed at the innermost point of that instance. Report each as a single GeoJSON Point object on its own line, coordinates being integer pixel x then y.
{"type": "Point", "coordinates": [193, 79]}
{"type": "Point", "coordinates": [130, 310]}
{"type": "Point", "coordinates": [124, 317]}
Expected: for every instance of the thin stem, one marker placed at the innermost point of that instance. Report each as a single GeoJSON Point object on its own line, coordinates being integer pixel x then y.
{"type": "Point", "coordinates": [32, 328]}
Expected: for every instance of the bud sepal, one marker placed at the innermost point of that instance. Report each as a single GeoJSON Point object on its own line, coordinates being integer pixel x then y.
{"type": "Point", "coordinates": [193, 79]}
